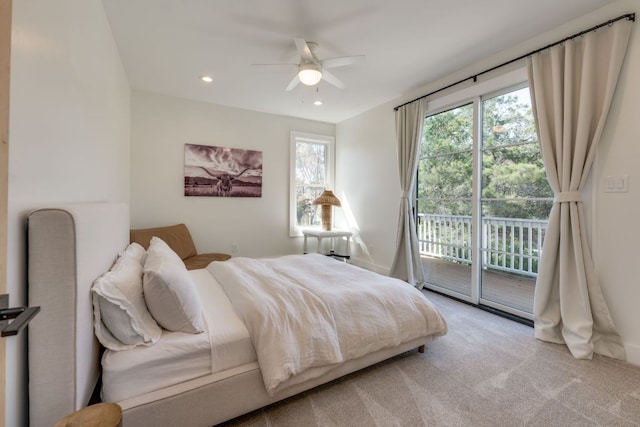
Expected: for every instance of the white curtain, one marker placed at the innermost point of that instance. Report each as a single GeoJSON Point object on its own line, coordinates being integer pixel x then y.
{"type": "Point", "coordinates": [407, 264]}
{"type": "Point", "coordinates": [572, 85]}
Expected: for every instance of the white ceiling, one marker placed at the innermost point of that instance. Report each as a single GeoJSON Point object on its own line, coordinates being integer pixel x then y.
{"type": "Point", "coordinates": [166, 45]}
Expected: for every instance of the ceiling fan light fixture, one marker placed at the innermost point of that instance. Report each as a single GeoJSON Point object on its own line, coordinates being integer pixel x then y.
{"type": "Point", "coordinates": [309, 74]}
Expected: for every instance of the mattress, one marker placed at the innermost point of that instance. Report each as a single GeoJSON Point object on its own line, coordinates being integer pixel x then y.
{"type": "Point", "coordinates": [179, 357]}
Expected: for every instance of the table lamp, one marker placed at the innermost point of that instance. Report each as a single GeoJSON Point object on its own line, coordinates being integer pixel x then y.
{"type": "Point", "coordinates": [327, 199]}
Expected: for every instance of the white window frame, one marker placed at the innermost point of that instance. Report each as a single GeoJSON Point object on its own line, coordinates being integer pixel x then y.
{"type": "Point", "coordinates": [301, 137]}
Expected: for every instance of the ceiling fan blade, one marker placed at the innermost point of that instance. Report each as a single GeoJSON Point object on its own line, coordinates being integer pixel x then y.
{"type": "Point", "coordinates": [303, 50]}
{"type": "Point", "coordinates": [293, 83]}
{"type": "Point", "coordinates": [342, 61]}
{"type": "Point", "coordinates": [283, 65]}
{"type": "Point", "coordinates": [330, 78]}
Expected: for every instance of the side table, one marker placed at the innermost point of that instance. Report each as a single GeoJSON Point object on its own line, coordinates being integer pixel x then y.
{"type": "Point", "coordinates": [328, 234]}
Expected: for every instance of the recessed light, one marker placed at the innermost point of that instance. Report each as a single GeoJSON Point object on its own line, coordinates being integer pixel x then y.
{"type": "Point", "coordinates": [206, 79]}
{"type": "Point", "coordinates": [317, 102]}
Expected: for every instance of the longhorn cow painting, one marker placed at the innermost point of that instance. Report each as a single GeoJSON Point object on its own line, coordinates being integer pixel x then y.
{"type": "Point", "coordinates": [222, 171]}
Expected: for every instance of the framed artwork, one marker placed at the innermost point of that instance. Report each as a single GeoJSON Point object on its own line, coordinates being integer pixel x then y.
{"type": "Point", "coordinates": [222, 172]}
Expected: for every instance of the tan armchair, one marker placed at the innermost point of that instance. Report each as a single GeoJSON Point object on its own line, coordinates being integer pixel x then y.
{"type": "Point", "coordinates": [179, 239]}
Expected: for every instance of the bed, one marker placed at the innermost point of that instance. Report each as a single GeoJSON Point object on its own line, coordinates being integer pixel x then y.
{"type": "Point", "coordinates": [199, 384]}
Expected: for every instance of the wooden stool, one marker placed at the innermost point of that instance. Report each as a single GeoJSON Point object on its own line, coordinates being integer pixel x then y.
{"type": "Point", "coordinates": [98, 415]}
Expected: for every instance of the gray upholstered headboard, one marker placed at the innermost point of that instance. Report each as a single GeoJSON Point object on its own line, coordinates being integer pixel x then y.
{"type": "Point", "coordinates": [68, 248]}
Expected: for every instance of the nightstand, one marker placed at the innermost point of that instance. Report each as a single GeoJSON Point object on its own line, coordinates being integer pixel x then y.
{"type": "Point", "coordinates": [328, 234]}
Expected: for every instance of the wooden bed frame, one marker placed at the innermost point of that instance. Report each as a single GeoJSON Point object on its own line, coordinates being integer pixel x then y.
{"type": "Point", "coordinates": [69, 247]}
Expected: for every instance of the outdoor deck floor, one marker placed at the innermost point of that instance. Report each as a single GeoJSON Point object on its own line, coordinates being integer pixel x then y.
{"type": "Point", "coordinates": [502, 288]}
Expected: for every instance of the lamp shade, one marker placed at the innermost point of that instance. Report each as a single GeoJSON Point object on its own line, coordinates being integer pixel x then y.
{"type": "Point", "coordinates": [327, 200]}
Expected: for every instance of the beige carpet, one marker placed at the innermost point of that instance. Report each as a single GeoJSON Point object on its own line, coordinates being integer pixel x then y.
{"type": "Point", "coordinates": [487, 371]}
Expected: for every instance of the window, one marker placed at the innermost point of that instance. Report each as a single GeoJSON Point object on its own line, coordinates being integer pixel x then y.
{"type": "Point", "coordinates": [311, 173]}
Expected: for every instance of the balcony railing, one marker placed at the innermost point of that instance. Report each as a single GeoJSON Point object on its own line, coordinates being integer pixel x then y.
{"type": "Point", "coordinates": [511, 245]}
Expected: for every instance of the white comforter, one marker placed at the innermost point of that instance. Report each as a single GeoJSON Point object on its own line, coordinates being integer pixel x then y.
{"type": "Point", "coordinates": [307, 313]}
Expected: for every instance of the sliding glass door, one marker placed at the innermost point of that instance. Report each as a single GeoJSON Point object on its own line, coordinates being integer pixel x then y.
{"type": "Point", "coordinates": [483, 201]}
{"type": "Point", "coordinates": [515, 202]}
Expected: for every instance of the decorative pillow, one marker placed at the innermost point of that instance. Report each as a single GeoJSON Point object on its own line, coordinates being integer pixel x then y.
{"type": "Point", "coordinates": [177, 237]}
{"type": "Point", "coordinates": [135, 251]}
{"type": "Point", "coordinates": [121, 318]}
{"type": "Point", "coordinates": [169, 291]}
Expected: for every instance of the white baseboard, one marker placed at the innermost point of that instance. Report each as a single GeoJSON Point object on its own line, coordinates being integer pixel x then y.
{"type": "Point", "coordinates": [369, 266]}
{"type": "Point", "coordinates": [633, 353]}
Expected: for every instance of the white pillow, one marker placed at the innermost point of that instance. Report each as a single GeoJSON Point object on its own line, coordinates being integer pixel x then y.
{"type": "Point", "coordinates": [121, 318]}
{"type": "Point", "coordinates": [169, 291]}
{"type": "Point", "coordinates": [135, 251]}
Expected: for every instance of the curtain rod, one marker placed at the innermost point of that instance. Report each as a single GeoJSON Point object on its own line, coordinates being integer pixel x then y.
{"type": "Point", "coordinates": [628, 16]}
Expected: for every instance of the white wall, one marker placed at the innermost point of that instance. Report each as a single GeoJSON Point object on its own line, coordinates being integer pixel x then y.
{"type": "Point", "coordinates": [616, 234]}
{"type": "Point", "coordinates": [69, 134]}
{"type": "Point", "coordinates": [368, 185]}
{"type": "Point", "coordinates": [161, 125]}
{"type": "Point", "coordinates": [370, 139]}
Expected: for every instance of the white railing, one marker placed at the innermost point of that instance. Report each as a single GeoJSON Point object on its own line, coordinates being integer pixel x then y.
{"type": "Point", "coordinates": [513, 245]}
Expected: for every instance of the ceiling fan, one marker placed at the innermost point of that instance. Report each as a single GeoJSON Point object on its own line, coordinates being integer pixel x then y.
{"type": "Point", "coordinates": [311, 69]}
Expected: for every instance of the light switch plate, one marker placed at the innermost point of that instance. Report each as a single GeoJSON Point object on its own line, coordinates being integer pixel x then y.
{"type": "Point", "coordinates": [616, 184]}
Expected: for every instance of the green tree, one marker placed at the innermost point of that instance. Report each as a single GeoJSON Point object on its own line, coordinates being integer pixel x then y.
{"type": "Point", "coordinates": [512, 165]}
{"type": "Point", "coordinates": [445, 171]}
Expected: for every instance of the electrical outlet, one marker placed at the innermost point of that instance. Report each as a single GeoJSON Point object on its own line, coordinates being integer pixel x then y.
{"type": "Point", "coordinates": [234, 248]}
